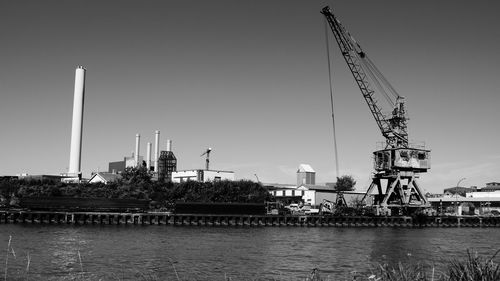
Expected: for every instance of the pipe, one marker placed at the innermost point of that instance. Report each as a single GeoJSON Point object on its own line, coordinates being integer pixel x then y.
{"type": "Point", "coordinates": [77, 124]}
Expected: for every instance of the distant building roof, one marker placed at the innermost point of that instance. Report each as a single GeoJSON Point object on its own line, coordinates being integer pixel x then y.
{"type": "Point", "coordinates": [318, 187]}
{"type": "Point", "coordinates": [465, 199]}
{"type": "Point", "coordinates": [273, 186]}
{"type": "Point", "coordinates": [459, 190]}
{"type": "Point", "coordinates": [305, 168]}
{"type": "Point", "coordinates": [104, 177]}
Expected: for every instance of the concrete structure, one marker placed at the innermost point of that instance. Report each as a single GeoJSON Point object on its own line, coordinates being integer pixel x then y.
{"type": "Point", "coordinates": [105, 178]}
{"type": "Point", "coordinates": [202, 175]}
{"type": "Point", "coordinates": [157, 150]}
{"type": "Point", "coordinates": [77, 123]}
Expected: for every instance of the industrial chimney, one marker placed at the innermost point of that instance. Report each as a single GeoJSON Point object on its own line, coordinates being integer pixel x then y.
{"type": "Point", "coordinates": [169, 145]}
{"type": "Point", "coordinates": [157, 149]}
{"type": "Point", "coordinates": [77, 124]}
{"type": "Point", "coordinates": [137, 142]}
{"type": "Point", "coordinates": [148, 156]}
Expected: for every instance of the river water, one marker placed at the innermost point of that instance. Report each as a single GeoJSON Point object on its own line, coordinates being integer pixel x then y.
{"type": "Point", "coordinates": [214, 253]}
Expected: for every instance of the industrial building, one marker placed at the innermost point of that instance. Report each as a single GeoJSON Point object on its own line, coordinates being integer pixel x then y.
{"type": "Point", "coordinates": [167, 163]}
{"type": "Point", "coordinates": [202, 175]}
{"type": "Point", "coordinates": [306, 190]}
{"type": "Point", "coordinates": [162, 165]}
{"type": "Point", "coordinates": [468, 201]}
{"type": "Point", "coordinates": [306, 175]}
{"type": "Point", "coordinates": [118, 167]}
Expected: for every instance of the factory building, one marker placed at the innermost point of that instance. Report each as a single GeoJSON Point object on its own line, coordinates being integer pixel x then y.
{"type": "Point", "coordinates": [118, 167]}
{"type": "Point", "coordinates": [468, 201]}
{"type": "Point", "coordinates": [307, 191]}
{"type": "Point", "coordinates": [167, 163]}
{"type": "Point", "coordinates": [202, 175]}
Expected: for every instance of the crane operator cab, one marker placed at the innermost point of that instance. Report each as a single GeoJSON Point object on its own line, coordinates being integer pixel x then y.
{"type": "Point", "coordinates": [402, 159]}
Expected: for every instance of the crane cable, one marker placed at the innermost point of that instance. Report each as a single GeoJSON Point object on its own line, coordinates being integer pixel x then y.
{"type": "Point", "coordinates": [374, 79]}
{"type": "Point", "coordinates": [331, 100]}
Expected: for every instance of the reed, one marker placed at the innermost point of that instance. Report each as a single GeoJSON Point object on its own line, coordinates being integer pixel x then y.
{"type": "Point", "coordinates": [7, 258]}
{"type": "Point", "coordinates": [28, 266]}
{"type": "Point", "coordinates": [474, 268]}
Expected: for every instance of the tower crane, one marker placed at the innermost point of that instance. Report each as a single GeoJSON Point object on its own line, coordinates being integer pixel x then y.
{"type": "Point", "coordinates": [207, 161]}
{"type": "Point", "coordinates": [398, 164]}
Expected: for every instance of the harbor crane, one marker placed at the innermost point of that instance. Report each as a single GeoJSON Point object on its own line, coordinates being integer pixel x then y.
{"type": "Point", "coordinates": [399, 164]}
{"type": "Point", "coordinates": [207, 161]}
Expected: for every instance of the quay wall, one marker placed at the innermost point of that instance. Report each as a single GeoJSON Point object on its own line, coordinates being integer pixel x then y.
{"type": "Point", "coordinates": [94, 218]}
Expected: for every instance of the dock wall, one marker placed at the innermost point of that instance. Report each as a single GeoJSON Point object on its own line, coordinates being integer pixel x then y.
{"type": "Point", "coordinates": [92, 218]}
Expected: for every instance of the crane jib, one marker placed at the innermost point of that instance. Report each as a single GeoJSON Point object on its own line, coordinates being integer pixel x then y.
{"type": "Point", "coordinates": [393, 128]}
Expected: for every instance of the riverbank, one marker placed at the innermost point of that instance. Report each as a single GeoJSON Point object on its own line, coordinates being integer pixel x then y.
{"type": "Point", "coordinates": [167, 218]}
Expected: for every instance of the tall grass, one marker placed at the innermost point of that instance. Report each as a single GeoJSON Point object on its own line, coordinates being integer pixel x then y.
{"type": "Point", "coordinates": [474, 268]}
{"type": "Point", "coordinates": [401, 272]}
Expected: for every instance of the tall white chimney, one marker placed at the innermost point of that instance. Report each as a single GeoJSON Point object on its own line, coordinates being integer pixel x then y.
{"type": "Point", "coordinates": [148, 156]}
{"type": "Point", "coordinates": [157, 149]}
{"type": "Point", "coordinates": [169, 145]}
{"type": "Point", "coordinates": [77, 124]}
{"type": "Point", "coordinates": [137, 142]}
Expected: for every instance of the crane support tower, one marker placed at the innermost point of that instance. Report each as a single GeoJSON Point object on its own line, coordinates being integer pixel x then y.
{"type": "Point", "coordinates": [398, 165]}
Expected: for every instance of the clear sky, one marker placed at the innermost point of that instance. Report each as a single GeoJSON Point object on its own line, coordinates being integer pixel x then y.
{"type": "Point", "coordinates": [250, 80]}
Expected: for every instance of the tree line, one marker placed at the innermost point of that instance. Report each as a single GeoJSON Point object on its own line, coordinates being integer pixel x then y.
{"type": "Point", "coordinates": [137, 183]}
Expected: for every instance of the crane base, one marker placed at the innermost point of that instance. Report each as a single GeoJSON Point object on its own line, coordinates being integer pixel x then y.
{"type": "Point", "coordinates": [401, 190]}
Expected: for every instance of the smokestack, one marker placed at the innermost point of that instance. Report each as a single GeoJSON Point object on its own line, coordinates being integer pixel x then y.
{"type": "Point", "coordinates": [137, 142]}
{"type": "Point", "coordinates": [77, 124]}
{"type": "Point", "coordinates": [169, 145]}
{"type": "Point", "coordinates": [148, 156]}
{"type": "Point", "coordinates": [157, 149]}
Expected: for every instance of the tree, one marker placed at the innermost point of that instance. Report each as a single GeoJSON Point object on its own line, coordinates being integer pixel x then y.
{"type": "Point", "coordinates": [136, 175]}
{"type": "Point", "coordinates": [345, 183]}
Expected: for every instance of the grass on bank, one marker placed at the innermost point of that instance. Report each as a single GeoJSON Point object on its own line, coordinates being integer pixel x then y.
{"type": "Point", "coordinates": [472, 268]}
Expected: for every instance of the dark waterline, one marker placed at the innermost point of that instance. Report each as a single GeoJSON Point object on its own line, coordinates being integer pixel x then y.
{"type": "Point", "coordinates": [211, 253]}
